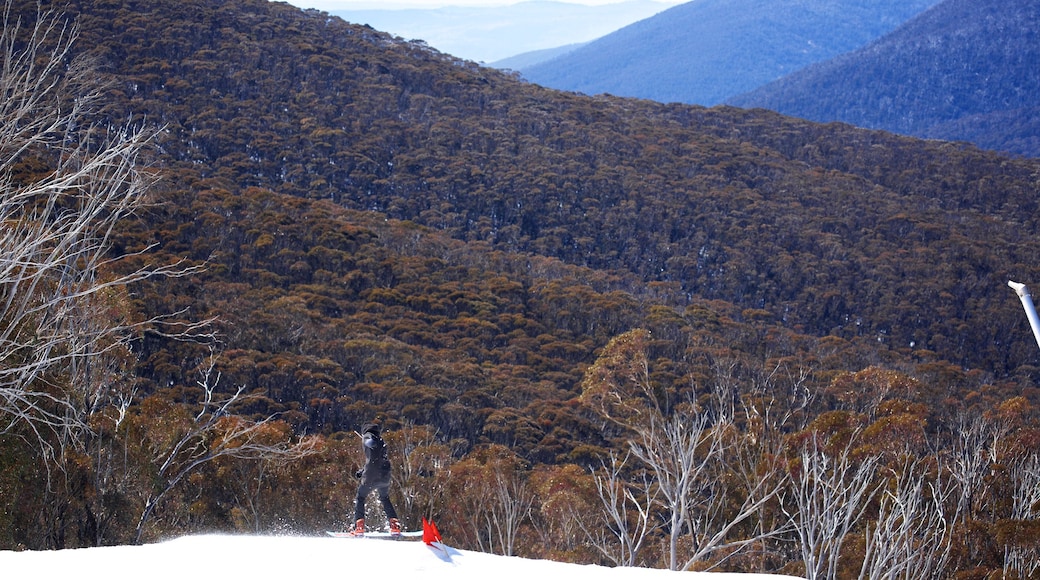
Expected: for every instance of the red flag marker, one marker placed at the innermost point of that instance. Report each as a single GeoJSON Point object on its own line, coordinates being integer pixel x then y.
{"type": "Point", "coordinates": [430, 534]}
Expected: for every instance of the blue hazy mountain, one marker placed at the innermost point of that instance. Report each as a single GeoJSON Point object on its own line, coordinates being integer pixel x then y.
{"type": "Point", "coordinates": [526, 59]}
{"type": "Point", "coordinates": [964, 70]}
{"type": "Point", "coordinates": [704, 51]}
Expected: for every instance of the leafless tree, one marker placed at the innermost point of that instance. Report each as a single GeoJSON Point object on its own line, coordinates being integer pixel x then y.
{"type": "Point", "coordinates": [774, 399]}
{"type": "Point", "coordinates": [911, 538]}
{"type": "Point", "coordinates": [1023, 561]}
{"type": "Point", "coordinates": [417, 476]}
{"type": "Point", "coordinates": [511, 504]}
{"type": "Point", "coordinates": [830, 495]}
{"type": "Point", "coordinates": [680, 452]}
{"type": "Point", "coordinates": [60, 285]}
{"type": "Point", "coordinates": [214, 432]}
{"type": "Point", "coordinates": [979, 443]}
{"type": "Point", "coordinates": [758, 479]}
{"type": "Point", "coordinates": [685, 446]}
{"type": "Point", "coordinates": [627, 514]}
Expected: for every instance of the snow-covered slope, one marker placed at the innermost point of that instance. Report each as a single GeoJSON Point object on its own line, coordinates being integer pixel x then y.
{"type": "Point", "coordinates": [279, 558]}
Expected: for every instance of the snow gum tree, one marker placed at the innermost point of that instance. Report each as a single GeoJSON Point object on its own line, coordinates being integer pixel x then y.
{"type": "Point", "coordinates": [710, 510]}
{"type": "Point", "coordinates": [69, 179]}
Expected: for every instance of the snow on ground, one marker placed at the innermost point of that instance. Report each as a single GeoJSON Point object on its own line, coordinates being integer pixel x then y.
{"type": "Point", "coordinates": [284, 557]}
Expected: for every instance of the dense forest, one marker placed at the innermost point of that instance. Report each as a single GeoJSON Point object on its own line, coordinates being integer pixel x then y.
{"type": "Point", "coordinates": [539, 295]}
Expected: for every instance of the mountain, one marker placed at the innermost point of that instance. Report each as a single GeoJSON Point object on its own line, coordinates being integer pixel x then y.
{"type": "Point", "coordinates": [964, 70]}
{"type": "Point", "coordinates": [527, 59]}
{"type": "Point", "coordinates": [387, 231]}
{"type": "Point", "coordinates": [830, 230]}
{"type": "Point", "coordinates": [491, 33]}
{"type": "Point", "coordinates": [705, 51]}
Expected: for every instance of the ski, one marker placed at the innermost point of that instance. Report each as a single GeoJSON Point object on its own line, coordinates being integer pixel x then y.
{"type": "Point", "coordinates": [377, 535]}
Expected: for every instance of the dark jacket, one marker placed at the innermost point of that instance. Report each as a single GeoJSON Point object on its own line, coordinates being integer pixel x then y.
{"type": "Point", "coordinates": [376, 472]}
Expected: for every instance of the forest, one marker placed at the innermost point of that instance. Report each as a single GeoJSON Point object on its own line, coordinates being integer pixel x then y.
{"type": "Point", "coordinates": [594, 329]}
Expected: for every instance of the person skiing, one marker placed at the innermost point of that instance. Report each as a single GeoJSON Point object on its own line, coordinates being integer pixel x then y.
{"type": "Point", "coordinates": [375, 475]}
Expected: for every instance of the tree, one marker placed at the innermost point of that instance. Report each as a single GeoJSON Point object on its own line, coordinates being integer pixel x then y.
{"type": "Point", "coordinates": [710, 478]}
{"type": "Point", "coordinates": [179, 443]}
{"type": "Point", "coordinates": [67, 181]}
{"type": "Point", "coordinates": [418, 472]}
{"type": "Point", "coordinates": [1022, 556]}
{"type": "Point", "coordinates": [830, 496]}
{"type": "Point", "coordinates": [489, 499]}
{"type": "Point", "coordinates": [679, 452]}
{"type": "Point", "coordinates": [911, 536]}
{"type": "Point", "coordinates": [565, 503]}
{"type": "Point", "coordinates": [618, 384]}
{"type": "Point", "coordinates": [627, 509]}
{"type": "Point", "coordinates": [688, 456]}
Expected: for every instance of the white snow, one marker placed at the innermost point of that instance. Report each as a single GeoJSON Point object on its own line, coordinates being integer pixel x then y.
{"type": "Point", "coordinates": [281, 557]}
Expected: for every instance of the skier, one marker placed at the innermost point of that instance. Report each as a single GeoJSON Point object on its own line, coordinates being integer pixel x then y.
{"type": "Point", "coordinates": [375, 475]}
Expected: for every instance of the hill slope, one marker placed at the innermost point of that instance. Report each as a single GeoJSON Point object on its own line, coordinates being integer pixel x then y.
{"type": "Point", "coordinates": [832, 230]}
{"type": "Point", "coordinates": [526, 59]}
{"type": "Point", "coordinates": [392, 232]}
{"type": "Point", "coordinates": [534, 227]}
{"type": "Point", "coordinates": [706, 51]}
{"type": "Point", "coordinates": [964, 70]}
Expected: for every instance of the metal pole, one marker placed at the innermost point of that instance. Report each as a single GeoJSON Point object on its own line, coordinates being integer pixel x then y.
{"type": "Point", "coordinates": [1027, 303]}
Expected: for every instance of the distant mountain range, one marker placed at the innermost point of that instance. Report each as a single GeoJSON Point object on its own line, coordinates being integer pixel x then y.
{"type": "Point", "coordinates": [534, 57]}
{"type": "Point", "coordinates": [706, 51]}
{"type": "Point", "coordinates": [487, 34]}
{"type": "Point", "coordinates": [964, 70]}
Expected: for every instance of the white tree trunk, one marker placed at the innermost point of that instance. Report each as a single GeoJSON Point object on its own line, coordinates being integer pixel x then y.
{"type": "Point", "coordinates": [830, 495]}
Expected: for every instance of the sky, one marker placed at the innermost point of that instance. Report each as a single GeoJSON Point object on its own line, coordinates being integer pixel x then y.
{"type": "Point", "coordinates": [333, 5]}
{"type": "Point", "coordinates": [492, 30]}
{"type": "Point", "coordinates": [219, 557]}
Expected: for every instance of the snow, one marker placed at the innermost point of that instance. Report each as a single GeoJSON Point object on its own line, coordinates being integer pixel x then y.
{"type": "Point", "coordinates": [281, 557]}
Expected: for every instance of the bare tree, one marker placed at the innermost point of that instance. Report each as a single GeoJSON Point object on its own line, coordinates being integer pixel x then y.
{"type": "Point", "coordinates": [830, 495]}
{"type": "Point", "coordinates": [627, 509]}
{"type": "Point", "coordinates": [490, 499]}
{"type": "Point", "coordinates": [423, 459]}
{"type": "Point", "coordinates": [911, 537]}
{"type": "Point", "coordinates": [679, 451]}
{"type": "Point", "coordinates": [978, 444]}
{"type": "Point", "coordinates": [759, 481]}
{"type": "Point", "coordinates": [1023, 561]}
{"type": "Point", "coordinates": [59, 282]}
{"type": "Point", "coordinates": [686, 448]}
{"type": "Point", "coordinates": [772, 402]}
{"type": "Point", "coordinates": [511, 504]}
{"type": "Point", "coordinates": [212, 433]}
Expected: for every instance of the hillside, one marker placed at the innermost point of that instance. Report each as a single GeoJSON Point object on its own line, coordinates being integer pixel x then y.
{"type": "Point", "coordinates": [391, 232]}
{"type": "Point", "coordinates": [962, 71]}
{"type": "Point", "coordinates": [826, 231]}
{"type": "Point", "coordinates": [706, 51]}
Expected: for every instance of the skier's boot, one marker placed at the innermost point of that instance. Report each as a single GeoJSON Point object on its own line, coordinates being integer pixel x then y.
{"type": "Point", "coordinates": [359, 528]}
{"type": "Point", "coordinates": [395, 527]}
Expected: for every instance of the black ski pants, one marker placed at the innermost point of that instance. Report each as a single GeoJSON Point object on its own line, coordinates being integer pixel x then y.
{"type": "Point", "coordinates": [384, 498]}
